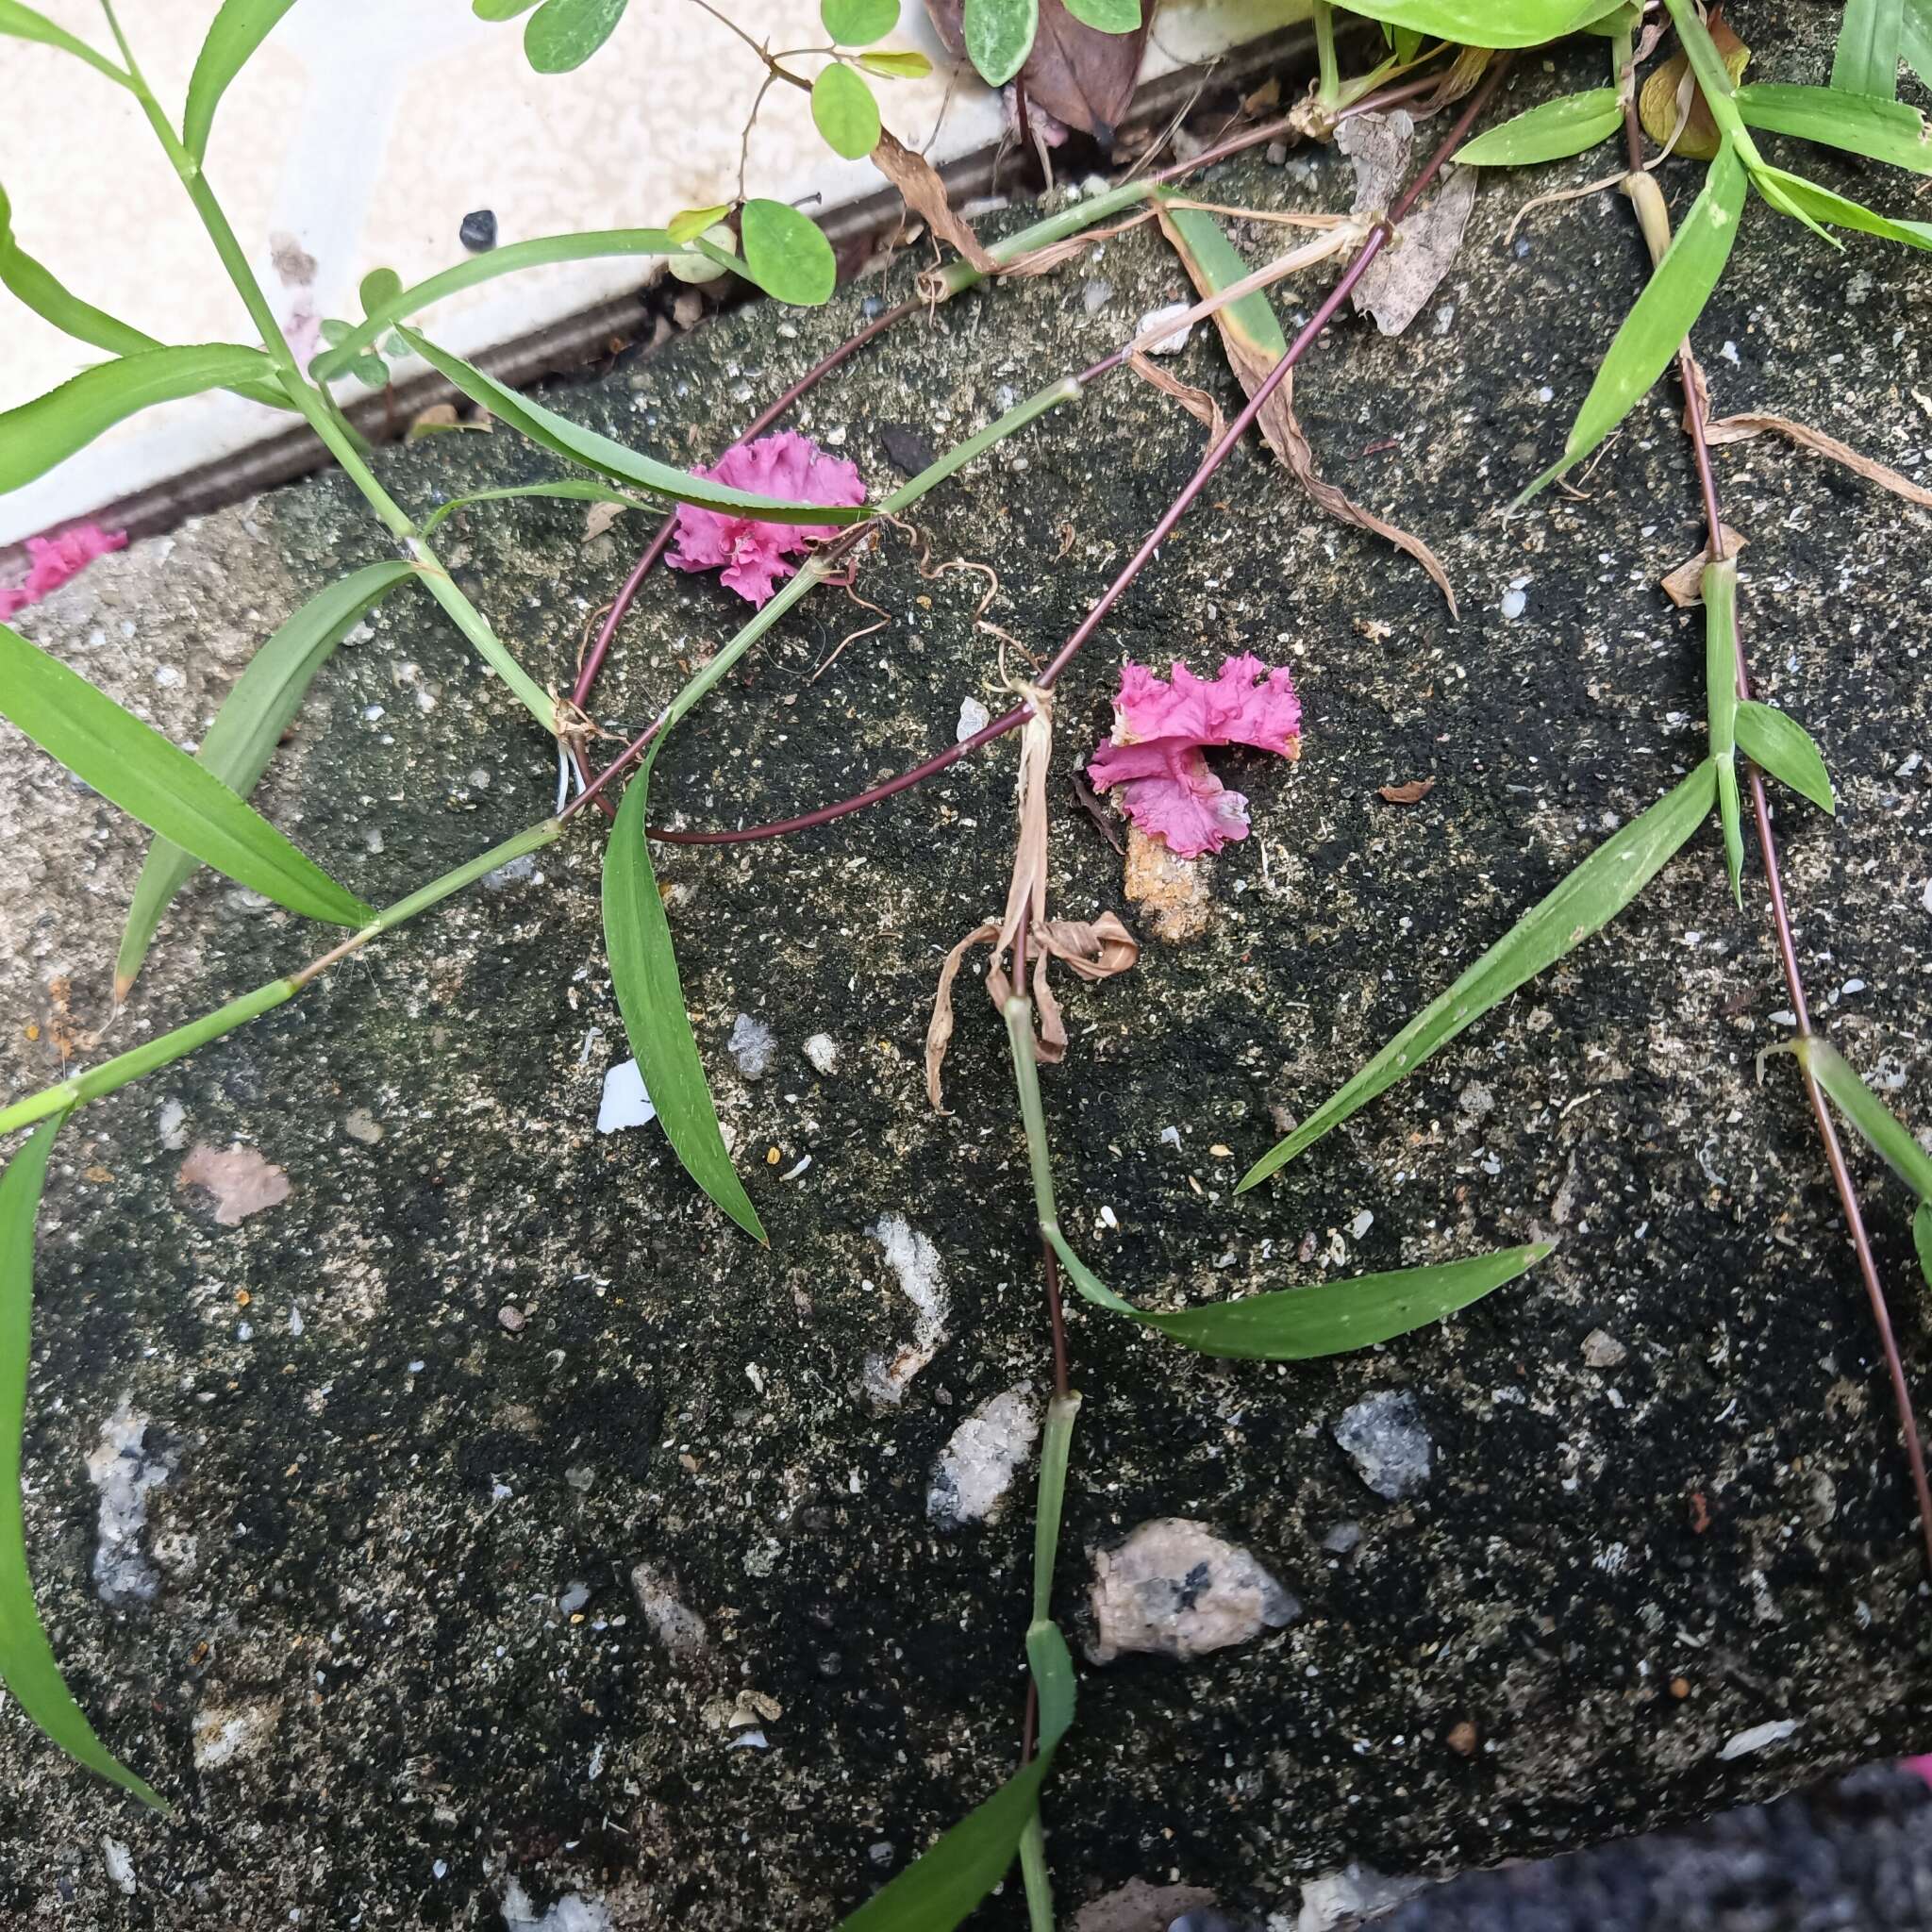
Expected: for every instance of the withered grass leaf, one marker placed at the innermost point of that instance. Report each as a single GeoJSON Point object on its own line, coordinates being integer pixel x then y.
{"type": "Point", "coordinates": [1750, 423]}
{"type": "Point", "coordinates": [1252, 362]}
{"type": "Point", "coordinates": [1095, 949]}
{"type": "Point", "coordinates": [1684, 586]}
{"type": "Point", "coordinates": [1196, 402]}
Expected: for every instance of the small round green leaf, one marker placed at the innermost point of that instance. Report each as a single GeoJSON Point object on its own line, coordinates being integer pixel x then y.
{"type": "Point", "coordinates": [370, 370]}
{"type": "Point", "coordinates": [999, 35]}
{"type": "Point", "coordinates": [897, 66]}
{"type": "Point", "coordinates": [379, 285]}
{"type": "Point", "coordinates": [858, 22]}
{"type": "Point", "coordinates": [564, 34]}
{"type": "Point", "coordinates": [1107, 16]}
{"type": "Point", "coordinates": [786, 255]}
{"type": "Point", "coordinates": [845, 112]}
{"type": "Point", "coordinates": [500, 9]}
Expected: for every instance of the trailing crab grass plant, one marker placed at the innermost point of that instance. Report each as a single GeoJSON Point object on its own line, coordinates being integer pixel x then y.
{"type": "Point", "coordinates": [198, 811]}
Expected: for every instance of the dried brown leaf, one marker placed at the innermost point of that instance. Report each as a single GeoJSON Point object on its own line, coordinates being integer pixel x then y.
{"type": "Point", "coordinates": [1196, 402]}
{"type": "Point", "coordinates": [1684, 586]}
{"type": "Point", "coordinates": [1411, 792]}
{"type": "Point", "coordinates": [925, 193]}
{"type": "Point", "coordinates": [241, 1180]}
{"type": "Point", "coordinates": [1396, 285]}
{"type": "Point", "coordinates": [1750, 423]}
{"type": "Point", "coordinates": [1656, 104]}
{"type": "Point", "coordinates": [599, 518]}
{"type": "Point", "coordinates": [1077, 74]}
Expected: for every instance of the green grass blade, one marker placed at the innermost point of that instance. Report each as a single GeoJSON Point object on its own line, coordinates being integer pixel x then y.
{"type": "Point", "coordinates": [936, 1891]}
{"type": "Point", "coordinates": [38, 435]}
{"type": "Point", "coordinates": [571, 489]}
{"type": "Point", "coordinates": [1793, 194]}
{"type": "Point", "coordinates": [1915, 38]}
{"type": "Point", "coordinates": [239, 28]}
{"type": "Point", "coordinates": [1488, 23]}
{"type": "Point", "coordinates": [1671, 300]}
{"type": "Point", "coordinates": [1721, 698]}
{"type": "Point", "coordinates": [643, 969]}
{"type": "Point", "coordinates": [1876, 1124]}
{"type": "Point", "coordinates": [1922, 1239]}
{"type": "Point", "coordinates": [30, 281]}
{"type": "Point", "coordinates": [1773, 739]}
{"type": "Point", "coordinates": [28, 1667]}
{"type": "Point", "coordinates": [1330, 1318]}
{"type": "Point", "coordinates": [1882, 130]}
{"type": "Point", "coordinates": [998, 35]}
{"type": "Point", "coordinates": [154, 781]}
{"type": "Point", "coordinates": [24, 23]}
{"type": "Point", "coordinates": [1589, 898]}
{"type": "Point", "coordinates": [540, 252]}
{"type": "Point", "coordinates": [1552, 132]}
{"type": "Point", "coordinates": [1865, 62]}
{"type": "Point", "coordinates": [259, 707]}
{"type": "Point", "coordinates": [565, 439]}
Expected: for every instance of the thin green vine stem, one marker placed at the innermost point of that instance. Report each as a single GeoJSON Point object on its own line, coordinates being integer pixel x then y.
{"type": "Point", "coordinates": [318, 411]}
{"type": "Point", "coordinates": [113, 1074]}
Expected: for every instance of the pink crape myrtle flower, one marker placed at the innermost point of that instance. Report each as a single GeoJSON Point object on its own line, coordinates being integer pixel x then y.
{"type": "Point", "coordinates": [755, 555]}
{"type": "Point", "coordinates": [1159, 729]}
{"type": "Point", "coordinates": [51, 561]}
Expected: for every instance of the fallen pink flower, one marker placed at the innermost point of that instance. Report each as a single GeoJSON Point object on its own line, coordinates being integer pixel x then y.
{"type": "Point", "coordinates": [52, 560]}
{"type": "Point", "coordinates": [754, 555]}
{"type": "Point", "coordinates": [1159, 729]}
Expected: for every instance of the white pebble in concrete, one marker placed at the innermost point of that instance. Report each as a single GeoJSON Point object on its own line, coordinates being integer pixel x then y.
{"type": "Point", "coordinates": [752, 1045]}
{"type": "Point", "coordinates": [976, 1468]}
{"type": "Point", "coordinates": [626, 1102]}
{"type": "Point", "coordinates": [1176, 1589]}
{"type": "Point", "coordinates": [124, 1469]}
{"type": "Point", "coordinates": [1383, 1437]}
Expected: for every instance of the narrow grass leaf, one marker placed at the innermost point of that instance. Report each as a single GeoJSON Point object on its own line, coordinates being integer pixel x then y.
{"type": "Point", "coordinates": [154, 781]}
{"type": "Point", "coordinates": [858, 22]}
{"type": "Point", "coordinates": [1552, 132]}
{"type": "Point", "coordinates": [643, 971]}
{"type": "Point", "coordinates": [1330, 1318]}
{"type": "Point", "coordinates": [24, 23]}
{"type": "Point", "coordinates": [567, 489]}
{"type": "Point", "coordinates": [1922, 1239]}
{"type": "Point", "coordinates": [1671, 300]}
{"type": "Point", "coordinates": [1589, 898]}
{"type": "Point", "coordinates": [1876, 1124]}
{"type": "Point", "coordinates": [844, 111]}
{"type": "Point", "coordinates": [937, 1890]}
{"type": "Point", "coordinates": [239, 28]}
{"type": "Point", "coordinates": [1865, 62]}
{"type": "Point", "coordinates": [566, 438]}
{"type": "Point", "coordinates": [564, 34]}
{"type": "Point", "coordinates": [38, 435]}
{"type": "Point", "coordinates": [1777, 741]}
{"type": "Point", "coordinates": [1915, 38]}
{"type": "Point", "coordinates": [998, 36]}
{"type": "Point", "coordinates": [1882, 130]}
{"type": "Point", "coordinates": [239, 745]}
{"type": "Point", "coordinates": [1488, 23]}
{"type": "Point", "coordinates": [1793, 194]}
{"type": "Point", "coordinates": [1719, 587]}
{"type": "Point", "coordinates": [541, 251]}
{"type": "Point", "coordinates": [28, 1667]}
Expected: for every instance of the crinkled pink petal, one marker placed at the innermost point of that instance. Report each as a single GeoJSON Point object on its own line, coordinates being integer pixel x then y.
{"type": "Point", "coordinates": [1160, 727]}
{"type": "Point", "coordinates": [754, 555]}
{"type": "Point", "coordinates": [52, 560]}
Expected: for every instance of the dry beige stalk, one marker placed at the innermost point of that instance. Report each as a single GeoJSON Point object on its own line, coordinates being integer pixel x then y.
{"type": "Point", "coordinates": [1093, 949]}
{"type": "Point", "coordinates": [1196, 402]}
{"type": "Point", "coordinates": [1749, 423]}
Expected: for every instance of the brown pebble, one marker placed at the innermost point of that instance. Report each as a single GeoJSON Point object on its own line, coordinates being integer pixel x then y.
{"type": "Point", "coordinates": [511, 1316]}
{"type": "Point", "coordinates": [1462, 1739]}
{"type": "Point", "coordinates": [1680, 1687]}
